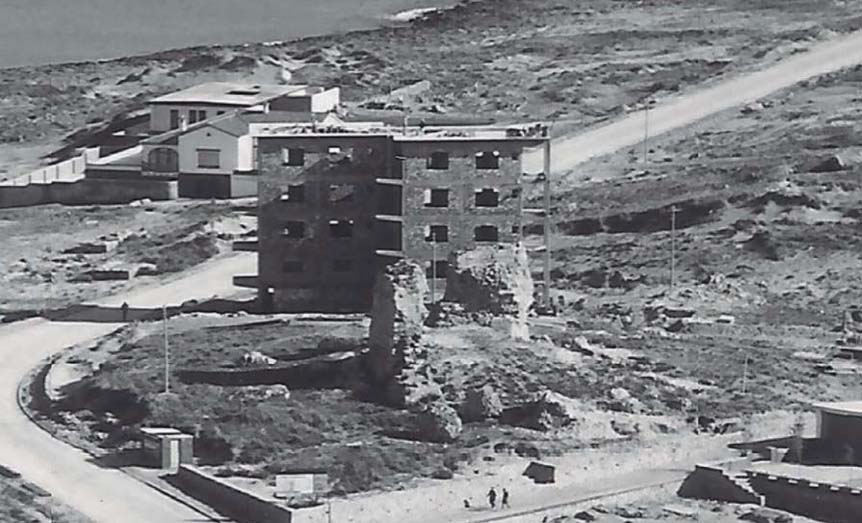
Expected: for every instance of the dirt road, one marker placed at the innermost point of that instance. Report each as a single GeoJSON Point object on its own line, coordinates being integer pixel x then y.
{"type": "Point", "coordinates": [103, 494]}
{"type": "Point", "coordinates": [569, 151]}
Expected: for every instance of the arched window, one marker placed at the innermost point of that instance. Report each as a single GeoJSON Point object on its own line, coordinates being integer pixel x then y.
{"type": "Point", "coordinates": [163, 160]}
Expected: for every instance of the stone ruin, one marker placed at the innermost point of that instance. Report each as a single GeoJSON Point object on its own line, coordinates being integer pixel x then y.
{"type": "Point", "coordinates": [494, 279]}
{"type": "Point", "coordinates": [398, 315]}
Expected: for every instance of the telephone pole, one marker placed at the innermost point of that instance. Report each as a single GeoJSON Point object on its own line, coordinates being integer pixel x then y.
{"type": "Point", "coordinates": [673, 211]}
{"type": "Point", "coordinates": [546, 174]}
{"type": "Point", "coordinates": [433, 266]}
{"type": "Point", "coordinates": [745, 373]}
{"type": "Point", "coordinates": [167, 353]}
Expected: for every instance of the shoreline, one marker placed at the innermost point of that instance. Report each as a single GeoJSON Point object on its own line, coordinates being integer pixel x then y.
{"type": "Point", "coordinates": [385, 21]}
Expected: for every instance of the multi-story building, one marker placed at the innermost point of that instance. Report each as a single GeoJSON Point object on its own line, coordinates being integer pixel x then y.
{"type": "Point", "coordinates": [336, 204]}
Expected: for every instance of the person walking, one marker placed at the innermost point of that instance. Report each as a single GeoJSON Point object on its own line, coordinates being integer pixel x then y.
{"type": "Point", "coordinates": [504, 503]}
{"type": "Point", "coordinates": [492, 497]}
{"type": "Point", "coordinates": [125, 308]}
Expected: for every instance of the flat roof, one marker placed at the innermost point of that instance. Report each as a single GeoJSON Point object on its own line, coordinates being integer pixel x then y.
{"type": "Point", "coordinates": [521, 132]}
{"type": "Point", "coordinates": [843, 408]}
{"type": "Point", "coordinates": [228, 93]}
{"type": "Point", "coordinates": [159, 431]}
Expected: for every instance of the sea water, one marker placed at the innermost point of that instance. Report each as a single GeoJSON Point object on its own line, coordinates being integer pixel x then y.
{"type": "Point", "coordinates": [35, 32]}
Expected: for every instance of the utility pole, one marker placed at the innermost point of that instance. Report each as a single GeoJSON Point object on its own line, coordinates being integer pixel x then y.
{"type": "Point", "coordinates": [745, 373]}
{"type": "Point", "coordinates": [546, 171]}
{"type": "Point", "coordinates": [673, 211]}
{"type": "Point", "coordinates": [167, 354]}
{"type": "Point", "coordinates": [433, 266]}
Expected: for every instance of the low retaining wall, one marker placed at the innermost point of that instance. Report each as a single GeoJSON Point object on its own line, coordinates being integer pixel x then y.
{"type": "Point", "coordinates": [317, 372]}
{"type": "Point", "coordinates": [819, 501]}
{"type": "Point", "coordinates": [86, 191]}
{"type": "Point", "coordinates": [240, 504]}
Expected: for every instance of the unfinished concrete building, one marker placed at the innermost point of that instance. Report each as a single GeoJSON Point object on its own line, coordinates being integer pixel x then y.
{"type": "Point", "coordinates": [337, 204]}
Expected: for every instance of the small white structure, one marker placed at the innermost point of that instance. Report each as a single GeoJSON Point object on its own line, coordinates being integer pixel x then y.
{"type": "Point", "coordinates": [311, 482]}
{"type": "Point", "coordinates": [166, 447]}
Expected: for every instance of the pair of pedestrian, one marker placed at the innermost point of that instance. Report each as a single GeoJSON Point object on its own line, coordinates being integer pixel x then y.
{"type": "Point", "coordinates": [492, 498]}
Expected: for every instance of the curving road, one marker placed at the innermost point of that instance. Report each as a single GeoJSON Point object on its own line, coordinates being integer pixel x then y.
{"type": "Point", "coordinates": [108, 495]}
{"type": "Point", "coordinates": [105, 495]}
{"type": "Point", "coordinates": [569, 151]}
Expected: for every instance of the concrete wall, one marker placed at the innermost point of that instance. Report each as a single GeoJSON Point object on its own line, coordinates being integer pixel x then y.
{"type": "Point", "coordinates": [69, 170]}
{"type": "Point", "coordinates": [239, 504]}
{"type": "Point", "coordinates": [819, 501]}
{"type": "Point", "coordinates": [160, 114]}
{"type": "Point", "coordinates": [87, 191]}
{"type": "Point", "coordinates": [242, 186]}
{"type": "Point", "coordinates": [208, 138]}
{"type": "Point", "coordinates": [319, 286]}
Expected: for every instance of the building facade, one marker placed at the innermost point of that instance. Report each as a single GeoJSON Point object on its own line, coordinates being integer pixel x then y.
{"type": "Point", "coordinates": [336, 205]}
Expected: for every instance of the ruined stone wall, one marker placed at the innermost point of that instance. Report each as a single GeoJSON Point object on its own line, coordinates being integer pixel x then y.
{"type": "Point", "coordinates": [494, 279]}
{"type": "Point", "coordinates": [397, 317]}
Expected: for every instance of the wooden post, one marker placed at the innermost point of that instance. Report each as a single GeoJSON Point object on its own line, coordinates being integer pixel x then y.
{"type": "Point", "coordinates": [167, 354]}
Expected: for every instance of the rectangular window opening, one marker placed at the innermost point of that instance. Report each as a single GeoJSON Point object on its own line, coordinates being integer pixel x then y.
{"type": "Point", "coordinates": [436, 270]}
{"type": "Point", "coordinates": [293, 194]}
{"type": "Point", "coordinates": [487, 198]}
{"type": "Point", "coordinates": [294, 230]}
{"type": "Point", "coordinates": [437, 233]}
{"type": "Point", "coordinates": [488, 160]}
{"type": "Point", "coordinates": [436, 197]}
{"type": "Point", "coordinates": [438, 161]}
{"type": "Point", "coordinates": [293, 157]}
{"type": "Point", "coordinates": [341, 228]}
{"type": "Point", "coordinates": [175, 119]}
{"type": "Point", "coordinates": [208, 158]}
{"type": "Point", "coordinates": [486, 233]}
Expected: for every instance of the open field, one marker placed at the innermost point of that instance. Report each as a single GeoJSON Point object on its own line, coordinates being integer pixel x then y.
{"type": "Point", "coordinates": [575, 62]}
{"type": "Point", "coordinates": [45, 267]}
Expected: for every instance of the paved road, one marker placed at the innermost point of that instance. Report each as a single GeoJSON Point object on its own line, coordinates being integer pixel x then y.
{"type": "Point", "coordinates": [105, 495]}
{"type": "Point", "coordinates": [109, 496]}
{"type": "Point", "coordinates": [569, 151]}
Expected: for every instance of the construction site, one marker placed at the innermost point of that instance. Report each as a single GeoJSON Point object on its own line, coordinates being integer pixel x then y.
{"type": "Point", "coordinates": [315, 302]}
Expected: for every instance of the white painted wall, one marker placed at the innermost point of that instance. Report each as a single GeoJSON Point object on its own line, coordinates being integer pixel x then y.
{"type": "Point", "coordinates": [208, 138]}
{"type": "Point", "coordinates": [245, 153]}
{"type": "Point", "coordinates": [326, 101]}
{"type": "Point", "coordinates": [160, 114]}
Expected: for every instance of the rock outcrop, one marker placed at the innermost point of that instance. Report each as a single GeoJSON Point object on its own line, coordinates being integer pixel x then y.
{"type": "Point", "coordinates": [547, 410]}
{"type": "Point", "coordinates": [480, 404]}
{"type": "Point", "coordinates": [438, 422]}
{"type": "Point", "coordinates": [494, 279]}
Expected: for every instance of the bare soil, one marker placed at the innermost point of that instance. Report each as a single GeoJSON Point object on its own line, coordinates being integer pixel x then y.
{"type": "Point", "coordinates": [165, 237]}
{"type": "Point", "coordinates": [577, 63]}
{"type": "Point", "coordinates": [21, 501]}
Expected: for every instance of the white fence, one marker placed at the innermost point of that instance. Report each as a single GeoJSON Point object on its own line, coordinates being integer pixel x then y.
{"type": "Point", "coordinates": [66, 171]}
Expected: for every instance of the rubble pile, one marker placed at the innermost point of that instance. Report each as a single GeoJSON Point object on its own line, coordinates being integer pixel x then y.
{"type": "Point", "coordinates": [494, 279]}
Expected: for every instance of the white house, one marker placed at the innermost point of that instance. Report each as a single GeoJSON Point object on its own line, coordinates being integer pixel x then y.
{"type": "Point", "coordinates": [209, 100]}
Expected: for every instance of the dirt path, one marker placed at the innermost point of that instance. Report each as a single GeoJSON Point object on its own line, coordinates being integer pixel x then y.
{"type": "Point", "coordinates": [569, 151]}
{"type": "Point", "coordinates": [103, 494]}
